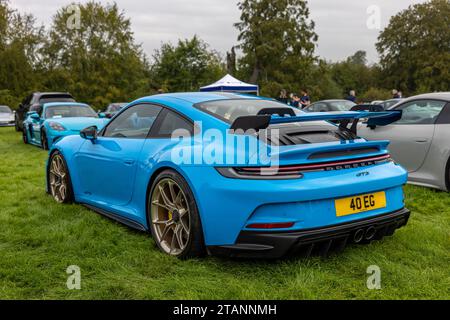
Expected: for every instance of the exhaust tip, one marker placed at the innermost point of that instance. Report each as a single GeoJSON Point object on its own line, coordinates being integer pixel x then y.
{"type": "Point", "coordinates": [370, 233]}
{"type": "Point", "coordinates": [358, 236]}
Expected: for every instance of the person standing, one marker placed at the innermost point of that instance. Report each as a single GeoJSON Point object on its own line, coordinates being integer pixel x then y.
{"type": "Point", "coordinates": [352, 96]}
{"type": "Point", "coordinates": [283, 98]}
{"type": "Point", "coordinates": [295, 101]}
{"type": "Point", "coordinates": [395, 94]}
{"type": "Point", "coordinates": [305, 100]}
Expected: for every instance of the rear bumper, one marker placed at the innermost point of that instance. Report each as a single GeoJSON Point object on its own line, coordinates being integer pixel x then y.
{"type": "Point", "coordinates": [321, 241]}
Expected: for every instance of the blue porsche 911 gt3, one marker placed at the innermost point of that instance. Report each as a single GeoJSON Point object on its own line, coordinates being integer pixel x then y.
{"type": "Point", "coordinates": [234, 174]}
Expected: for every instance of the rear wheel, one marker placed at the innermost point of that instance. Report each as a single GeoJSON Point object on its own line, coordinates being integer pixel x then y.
{"type": "Point", "coordinates": [25, 135]}
{"type": "Point", "coordinates": [44, 141]}
{"type": "Point", "coordinates": [60, 185]}
{"type": "Point", "coordinates": [173, 216]}
{"type": "Point", "coordinates": [16, 124]}
{"type": "Point", "coordinates": [447, 175]}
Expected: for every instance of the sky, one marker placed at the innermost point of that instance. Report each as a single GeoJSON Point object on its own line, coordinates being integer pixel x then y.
{"type": "Point", "coordinates": [342, 25]}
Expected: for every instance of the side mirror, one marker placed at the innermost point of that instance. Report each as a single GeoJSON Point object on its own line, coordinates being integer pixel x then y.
{"type": "Point", "coordinates": [102, 115]}
{"type": "Point", "coordinates": [89, 133]}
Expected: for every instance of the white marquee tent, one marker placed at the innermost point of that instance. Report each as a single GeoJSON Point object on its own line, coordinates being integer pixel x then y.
{"type": "Point", "coordinates": [231, 84]}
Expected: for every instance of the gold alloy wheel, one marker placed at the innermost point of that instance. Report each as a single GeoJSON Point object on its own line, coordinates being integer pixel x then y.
{"type": "Point", "coordinates": [58, 179]}
{"type": "Point", "coordinates": [170, 216]}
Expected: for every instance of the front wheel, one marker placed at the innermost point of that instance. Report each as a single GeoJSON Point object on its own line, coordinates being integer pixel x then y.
{"type": "Point", "coordinates": [44, 140]}
{"type": "Point", "coordinates": [60, 185]}
{"type": "Point", "coordinates": [174, 219]}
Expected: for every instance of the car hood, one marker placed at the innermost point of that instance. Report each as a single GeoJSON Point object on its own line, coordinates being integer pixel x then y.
{"type": "Point", "coordinates": [78, 124]}
{"type": "Point", "coordinates": [6, 116]}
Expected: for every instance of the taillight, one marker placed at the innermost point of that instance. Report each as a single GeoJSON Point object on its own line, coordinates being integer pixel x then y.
{"type": "Point", "coordinates": [296, 171]}
{"type": "Point", "coordinates": [259, 173]}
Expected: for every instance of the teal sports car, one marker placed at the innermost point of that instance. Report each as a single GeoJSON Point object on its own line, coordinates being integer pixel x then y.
{"type": "Point", "coordinates": [57, 120]}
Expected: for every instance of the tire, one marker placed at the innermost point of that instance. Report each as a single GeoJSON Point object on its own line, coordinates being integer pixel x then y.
{"type": "Point", "coordinates": [59, 182]}
{"type": "Point", "coordinates": [173, 217]}
{"type": "Point", "coordinates": [16, 123]}
{"type": "Point", "coordinates": [44, 141]}
{"type": "Point", "coordinates": [447, 175]}
{"type": "Point", "coordinates": [25, 135]}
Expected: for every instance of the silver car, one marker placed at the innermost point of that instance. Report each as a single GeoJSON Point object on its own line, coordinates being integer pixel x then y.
{"type": "Point", "coordinates": [420, 139]}
{"type": "Point", "coordinates": [6, 117]}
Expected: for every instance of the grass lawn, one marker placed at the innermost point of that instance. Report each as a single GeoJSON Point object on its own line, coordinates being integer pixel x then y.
{"type": "Point", "coordinates": [39, 239]}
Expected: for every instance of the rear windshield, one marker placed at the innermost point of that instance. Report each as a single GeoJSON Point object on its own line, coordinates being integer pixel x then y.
{"type": "Point", "coordinates": [62, 98]}
{"type": "Point", "coordinates": [5, 109]}
{"type": "Point", "coordinates": [69, 111]}
{"type": "Point", "coordinates": [230, 110]}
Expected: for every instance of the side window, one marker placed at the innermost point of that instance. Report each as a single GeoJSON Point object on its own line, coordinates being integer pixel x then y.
{"type": "Point", "coordinates": [420, 112]}
{"type": "Point", "coordinates": [169, 123]}
{"type": "Point", "coordinates": [320, 107]}
{"type": "Point", "coordinates": [133, 123]}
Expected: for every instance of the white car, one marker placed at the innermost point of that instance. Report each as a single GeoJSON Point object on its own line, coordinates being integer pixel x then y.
{"type": "Point", "coordinates": [6, 117]}
{"type": "Point", "coordinates": [419, 140]}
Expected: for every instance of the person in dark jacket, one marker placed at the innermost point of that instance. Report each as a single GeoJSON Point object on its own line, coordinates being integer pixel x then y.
{"type": "Point", "coordinates": [283, 97]}
{"type": "Point", "coordinates": [305, 100]}
{"type": "Point", "coordinates": [352, 96]}
{"type": "Point", "coordinates": [295, 101]}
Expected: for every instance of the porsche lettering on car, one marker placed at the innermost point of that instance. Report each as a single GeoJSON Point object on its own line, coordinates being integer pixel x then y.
{"type": "Point", "coordinates": [322, 188]}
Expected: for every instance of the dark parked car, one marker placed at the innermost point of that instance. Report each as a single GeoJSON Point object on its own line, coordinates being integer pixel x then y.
{"type": "Point", "coordinates": [34, 102]}
{"type": "Point", "coordinates": [113, 108]}
{"type": "Point", "coordinates": [330, 106]}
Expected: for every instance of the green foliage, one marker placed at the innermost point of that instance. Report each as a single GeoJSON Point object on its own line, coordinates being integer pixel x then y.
{"type": "Point", "coordinates": [415, 48]}
{"type": "Point", "coordinates": [99, 62]}
{"type": "Point", "coordinates": [353, 74]}
{"type": "Point", "coordinates": [187, 66]}
{"type": "Point", "coordinates": [19, 40]}
{"type": "Point", "coordinates": [373, 94]}
{"type": "Point", "coordinates": [278, 41]}
{"type": "Point", "coordinates": [323, 85]}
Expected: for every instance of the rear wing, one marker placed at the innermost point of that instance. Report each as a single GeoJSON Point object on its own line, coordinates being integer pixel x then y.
{"type": "Point", "coordinates": [266, 117]}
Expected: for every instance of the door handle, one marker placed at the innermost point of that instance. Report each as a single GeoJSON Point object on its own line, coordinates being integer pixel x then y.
{"type": "Point", "coordinates": [421, 140]}
{"type": "Point", "coordinates": [129, 162]}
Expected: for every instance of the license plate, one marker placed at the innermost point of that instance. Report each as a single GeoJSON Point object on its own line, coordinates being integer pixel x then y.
{"type": "Point", "coordinates": [358, 204]}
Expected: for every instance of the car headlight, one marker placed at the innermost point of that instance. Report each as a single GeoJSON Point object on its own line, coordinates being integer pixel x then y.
{"type": "Point", "coordinates": [56, 126]}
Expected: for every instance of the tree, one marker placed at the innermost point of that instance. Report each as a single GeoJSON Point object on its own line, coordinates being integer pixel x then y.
{"type": "Point", "coordinates": [354, 74]}
{"type": "Point", "coordinates": [415, 48]}
{"type": "Point", "coordinates": [277, 40]}
{"type": "Point", "coordinates": [20, 39]}
{"type": "Point", "coordinates": [187, 66]}
{"type": "Point", "coordinates": [98, 62]}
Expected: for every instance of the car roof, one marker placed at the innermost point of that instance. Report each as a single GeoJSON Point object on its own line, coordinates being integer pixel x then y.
{"type": "Point", "coordinates": [332, 100]}
{"type": "Point", "coordinates": [199, 97]}
{"type": "Point", "coordinates": [53, 104]}
{"type": "Point", "coordinates": [52, 93]}
{"type": "Point", "coordinates": [184, 102]}
{"type": "Point", "coordinates": [434, 95]}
